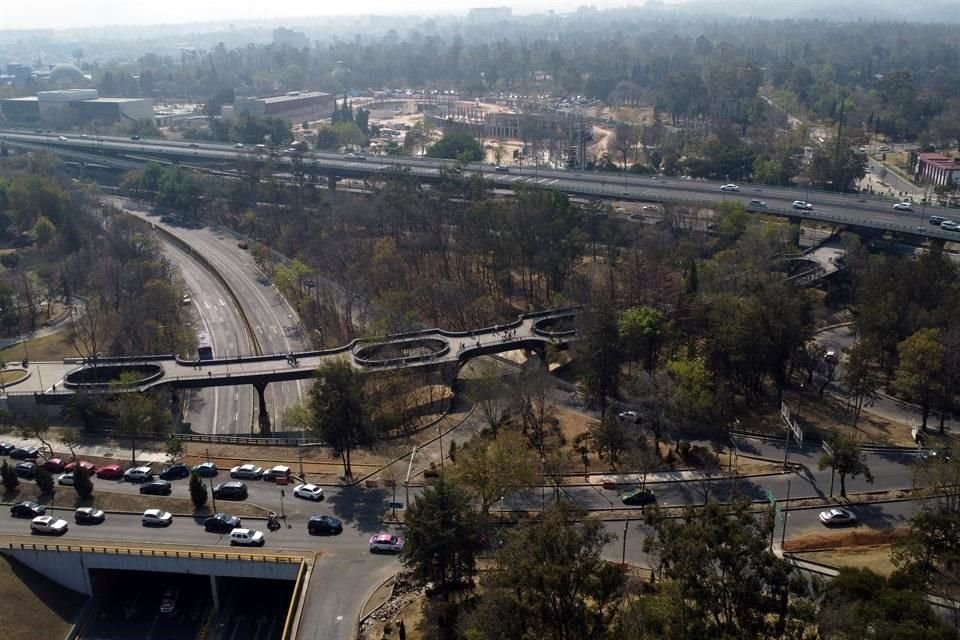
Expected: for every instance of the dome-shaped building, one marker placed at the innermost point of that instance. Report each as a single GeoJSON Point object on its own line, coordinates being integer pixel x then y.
{"type": "Point", "coordinates": [67, 73]}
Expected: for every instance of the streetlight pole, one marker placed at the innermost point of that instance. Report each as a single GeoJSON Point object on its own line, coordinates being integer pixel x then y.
{"type": "Point", "coordinates": [786, 514]}
{"type": "Point", "coordinates": [623, 554]}
{"type": "Point", "coordinates": [210, 481]}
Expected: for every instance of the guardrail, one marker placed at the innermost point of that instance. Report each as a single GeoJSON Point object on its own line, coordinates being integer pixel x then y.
{"type": "Point", "coordinates": [215, 439]}
{"type": "Point", "coordinates": [151, 553]}
{"type": "Point", "coordinates": [298, 587]}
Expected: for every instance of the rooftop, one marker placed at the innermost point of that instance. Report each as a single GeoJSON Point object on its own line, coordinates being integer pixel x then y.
{"type": "Point", "coordinates": [940, 160]}
{"type": "Point", "coordinates": [294, 96]}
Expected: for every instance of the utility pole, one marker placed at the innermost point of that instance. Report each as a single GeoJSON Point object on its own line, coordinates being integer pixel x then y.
{"type": "Point", "coordinates": [210, 482]}
{"type": "Point", "coordinates": [623, 555]}
{"type": "Point", "coordinates": [786, 514]}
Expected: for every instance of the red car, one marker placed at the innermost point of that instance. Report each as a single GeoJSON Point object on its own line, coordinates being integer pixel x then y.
{"type": "Point", "coordinates": [110, 472]}
{"type": "Point", "coordinates": [54, 464]}
{"type": "Point", "coordinates": [89, 467]}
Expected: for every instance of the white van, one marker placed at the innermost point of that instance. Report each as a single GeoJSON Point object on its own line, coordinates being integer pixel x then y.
{"type": "Point", "coordinates": [279, 471]}
{"type": "Point", "coordinates": [246, 538]}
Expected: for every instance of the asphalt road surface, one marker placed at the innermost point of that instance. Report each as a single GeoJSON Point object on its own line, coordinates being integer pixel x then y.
{"type": "Point", "coordinates": [227, 410]}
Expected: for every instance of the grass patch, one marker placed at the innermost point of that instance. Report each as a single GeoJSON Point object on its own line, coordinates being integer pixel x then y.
{"type": "Point", "coordinates": [51, 348]}
{"type": "Point", "coordinates": [844, 540]}
{"type": "Point", "coordinates": [33, 606]}
{"type": "Point", "coordinates": [874, 557]}
{"type": "Point", "coordinates": [9, 377]}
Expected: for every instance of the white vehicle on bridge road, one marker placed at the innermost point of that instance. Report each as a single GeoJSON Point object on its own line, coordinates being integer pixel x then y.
{"type": "Point", "coordinates": [729, 187]}
{"type": "Point", "coordinates": [156, 518]}
{"type": "Point", "coordinates": [247, 538]}
{"type": "Point", "coordinates": [247, 472]}
{"type": "Point", "coordinates": [802, 204]}
{"type": "Point", "coordinates": [903, 206]}
{"type": "Point", "coordinates": [48, 525]}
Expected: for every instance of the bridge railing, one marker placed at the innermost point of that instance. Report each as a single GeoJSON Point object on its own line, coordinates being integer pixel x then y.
{"type": "Point", "coordinates": [148, 552]}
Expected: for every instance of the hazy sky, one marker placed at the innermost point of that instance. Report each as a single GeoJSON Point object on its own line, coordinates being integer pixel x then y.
{"type": "Point", "coordinates": [61, 14]}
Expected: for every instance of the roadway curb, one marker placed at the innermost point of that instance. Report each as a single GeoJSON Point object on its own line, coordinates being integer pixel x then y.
{"type": "Point", "coordinates": [361, 617]}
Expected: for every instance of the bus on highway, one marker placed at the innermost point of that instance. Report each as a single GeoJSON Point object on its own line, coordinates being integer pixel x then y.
{"type": "Point", "coordinates": [204, 347]}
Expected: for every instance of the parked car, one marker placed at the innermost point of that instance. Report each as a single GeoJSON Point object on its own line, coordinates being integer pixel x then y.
{"type": "Point", "coordinates": [232, 490]}
{"type": "Point", "coordinates": [48, 525]}
{"type": "Point", "coordinates": [6, 448]}
{"type": "Point", "coordinates": [221, 523]}
{"type": "Point", "coordinates": [206, 470]}
{"type": "Point", "coordinates": [802, 204]}
{"type": "Point", "coordinates": [25, 453]}
{"type": "Point", "coordinates": [837, 516]}
{"type": "Point", "coordinates": [156, 488]}
{"type": "Point", "coordinates": [25, 470]}
{"type": "Point", "coordinates": [87, 466]}
{"type": "Point", "coordinates": [729, 187]}
{"type": "Point", "coordinates": [175, 471]}
{"type": "Point", "coordinates": [628, 416]}
{"type": "Point", "coordinates": [168, 602]}
{"type": "Point", "coordinates": [110, 472]}
{"type": "Point", "coordinates": [386, 543]}
{"type": "Point", "coordinates": [156, 518]}
{"type": "Point", "coordinates": [277, 472]}
{"type": "Point", "coordinates": [308, 492]}
{"type": "Point", "coordinates": [54, 465]}
{"type": "Point", "coordinates": [65, 479]}
{"type": "Point", "coordinates": [138, 474]}
{"type": "Point", "coordinates": [247, 538]}
{"type": "Point", "coordinates": [27, 509]}
{"type": "Point", "coordinates": [246, 472]}
{"type": "Point", "coordinates": [903, 206]}
{"type": "Point", "coordinates": [638, 497]}
{"type": "Point", "coordinates": [324, 525]}
{"type": "Point", "coordinates": [89, 515]}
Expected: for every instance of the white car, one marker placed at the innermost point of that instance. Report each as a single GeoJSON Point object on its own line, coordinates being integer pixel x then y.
{"type": "Point", "coordinates": [239, 145]}
{"type": "Point", "coordinates": [837, 516]}
{"type": "Point", "coordinates": [760, 204]}
{"type": "Point", "coordinates": [247, 538]}
{"type": "Point", "coordinates": [308, 492]}
{"type": "Point", "coordinates": [48, 525]}
{"type": "Point", "coordinates": [903, 206]}
{"type": "Point", "coordinates": [247, 472]}
{"type": "Point", "coordinates": [156, 518]}
{"type": "Point", "coordinates": [729, 187]}
{"type": "Point", "coordinates": [138, 474]}
{"type": "Point", "coordinates": [801, 204]}
{"type": "Point", "coordinates": [949, 225]}
{"type": "Point", "coordinates": [66, 479]}
{"type": "Point", "coordinates": [629, 416]}
{"type": "Point", "coordinates": [386, 543]}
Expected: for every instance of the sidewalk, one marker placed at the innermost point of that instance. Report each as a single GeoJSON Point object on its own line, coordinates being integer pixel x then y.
{"type": "Point", "coordinates": [116, 452]}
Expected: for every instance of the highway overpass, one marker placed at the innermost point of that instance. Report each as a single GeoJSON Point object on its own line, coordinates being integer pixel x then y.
{"type": "Point", "coordinates": [856, 211]}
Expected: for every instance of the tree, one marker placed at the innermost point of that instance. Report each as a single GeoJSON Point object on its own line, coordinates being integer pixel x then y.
{"type": "Point", "coordinates": [728, 582]}
{"type": "Point", "coordinates": [442, 536]}
{"type": "Point", "coordinates": [341, 410]}
{"type": "Point", "coordinates": [847, 459]}
{"type": "Point", "coordinates": [921, 360]}
{"type": "Point", "coordinates": [550, 582]}
{"type": "Point", "coordinates": [138, 414]}
{"type": "Point", "coordinates": [8, 476]}
{"type": "Point", "coordinates": [598, 355]}
{"type": "Point", "coordinates": [608, 438]}
{"type": "Point", "coordinates": [173, 447]}
{"type": "Point", "coordinates": [198, 491]}
{"type": "Point", "coordinates": [860, 378]}
{"type": "Point", "coordinates": [71, 438]}
{"type": "Point", "coordinates": [37, 427]}
{"type": "Point", "coordinates": [490, 393]}
{"type": "Point", "coordinates": [454, 146]}
{"type": "Point", "coordinates": [491, 468]}
{"type": "Point", "coordinates": [693, 399]}
{"type": "Point", "coordinates": [44, 480]}
{"type": "Point", "coordinates": [82, 483]}
{"type": "Point", "coordinates": [641, 333]}
{"type": "Point", "coordinates": [534, 403]}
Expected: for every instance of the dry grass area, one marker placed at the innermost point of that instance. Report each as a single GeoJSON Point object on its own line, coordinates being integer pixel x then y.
{"type": "Point", "coordinates": [833, 540]}
{"type": "Point", "coordinates": [635, 115]}
{"type": "Point", "coordinates": [32, 606]}
{"type": "Point", "coordinates": [46, 349]}
{"type": "Point", "coordinates": [411, 615]}
{"type": "Point", "coordinates": [66, 498]}
{"type": "Point", "coordinates": [874, 557]}
{"type": "Point", "coordinates": [11, 376]}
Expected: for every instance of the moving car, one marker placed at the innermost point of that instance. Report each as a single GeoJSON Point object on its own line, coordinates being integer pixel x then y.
{"type": "Point", "coordinates": [48, 525]}
{"type": "Point", "coordinates": [247, 472]}
{"type": "Point", "coordinates": [729, 187]}
{"type": "Point", "coordinates": [206, 469]}
{"type": "Point", "coordinates": [638, 497]}
{"type": "Point", "coordinates": [386, 543]}
{"type": "Point", "coordinates": [937, 220]}
{"type": "Point", "coordinates": [156, 488]}
{"type": "Point", "coordinates": [65, 479]}
{"type": "Point", "coordinates": [837, 516]}
{"type": "Point", "coordinates": [138, 474]}
{"type": "Point", "coordinates": [62, 138]}
{"type": "Point", "coordinates": [89, 515]}
{"type": "Point", "coordinates": [110, 472]}
{"type": "Point", "coordinates": [25, 470]}
{"type": "Point", "coordinates": [175, 471]}
{"type": "Point", "coordinates": [758, 204]}
{"type": "Point", "coordinates": [27, 509]}
{"type": "Point", "coordinates": [221, 523]}
{"type": "Point", "coordinates": [239, 145]}
{"type": "Point", "coordinates": [194, 145]}
{"type": "Point", "coordinates": [168, 602]}
{"type": "Point", "coordinates": [54, 465]}
{"type": "Point", "coordinates": [134, 137]}
{"type": "Point", "coordinates": [308, 492]}
{"type": "Point", "coordinates": [802, 204]}
{"type": "Point", "coordinates": [247, 538]}
{"type": "Point", "coordinates": [232, 490]}
{"type": "Point", "coordinates": [903, 206]}
{"type": "Point", "coordinates": [25, 453]}
{"type": "Point", "coordinates": [502, 168]}
{"type": "Point", "coordinates": [949, 225]}
{"type": "Point", "coordinates": [324, 525]}
{"type": "Point", "coordinates": [156, 518]}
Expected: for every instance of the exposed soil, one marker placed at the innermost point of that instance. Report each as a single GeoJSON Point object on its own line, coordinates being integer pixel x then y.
{"type": "Point", "coordinates": [873, 557]}
{"type": "Point", "coordinates": [33, 606]}
{"type": "Point", "coordinates": [859, 537]}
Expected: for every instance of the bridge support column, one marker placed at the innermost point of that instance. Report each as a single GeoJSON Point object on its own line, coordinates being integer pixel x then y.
{"type": "Point", "coordinates": [215, 593]}
{"type": "Point", "coordinates": [261, 388]}
{"type": "Point", "coordinates": [332, 182]}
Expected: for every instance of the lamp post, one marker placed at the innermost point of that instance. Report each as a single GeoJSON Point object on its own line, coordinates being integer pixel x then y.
{"type": "Point", "coordinates": [210, 481]}
{"type": "Point", "coordinates": [623, 555]}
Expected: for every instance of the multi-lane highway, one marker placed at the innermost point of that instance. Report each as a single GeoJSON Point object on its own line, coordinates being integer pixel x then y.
{"type": "Point", "coordinates": [861, 209]}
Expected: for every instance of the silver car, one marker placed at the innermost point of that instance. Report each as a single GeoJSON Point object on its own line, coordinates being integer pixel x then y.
{"type": "Point", "coordinates": [838, 516]}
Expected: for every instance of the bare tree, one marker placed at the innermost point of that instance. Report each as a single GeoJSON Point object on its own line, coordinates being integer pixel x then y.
{"type": "Point", "coordinates": [89, 328]}
{"type": "Point", "coordinates": [490, 393]}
